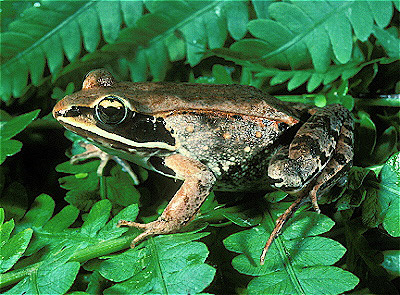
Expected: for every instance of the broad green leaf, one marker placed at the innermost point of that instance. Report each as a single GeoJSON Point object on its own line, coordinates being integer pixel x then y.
{"type": "Point", "coordinates": [85, 187]}
{"type": "Point", "coordinates": [54, 276]}
{"type": "Point", "coordinates": [90, 34]}
{"type": "Point", "coordinates": [298, 79]}
{"type": "Point", "coordinates": [97, 218]}
{"type": "Point", "coordinates": [309, 31]}
{"type": "Point", "coordinates": [216, 28]}
{"type": "Point", "coordinates": [71, 40]}
{"type": "Point", "coordinates": [312, 280]}
{"type": "Point", "coordinates": [390, 42]}
{"type": "Point", "coordinates": [13, 248]}
{"type": "Point", "coordinates": [315, 80]}
{"type": "Point", "coordinates": [54, 230]}
{"type": "Point", "coordinates": [314, 30]}
{"type": "Point", "coordinates": [382, 11]}
{"type": "Point", "coordinates": [17, 124]}
{"type": "Point", "coordinates": [221, 75]}
{"type": "Point", "coordinates": [120, 188]}
{"type": "Point", "coordinates": [110, 19]}
{"type": "Point", "coordinates": [362, 20]}
{"type": "Point", "coordinates": [371, 207]}
{"type": "Point", "coordinates": [391, 261]}
{"type": "Point", "coordinates": [64, 244]}
{"type": "Point", "coordinates": [169, 264]}
{"type": "Point", "coordinates": [5, 228]}
{"type": "Point", "coordinates": [39, 213]}
{"type": "Point", "coordinates": [45, 32]}
{"type": "Point", "coordinates": [10, 128]}
{"type": "Point", "coordinates": [8, 148]}
{"type": "Point", "coordinates": [294, 19]}
{"type": "Point", "coordinates": [269, 30]}
{"type": "Point", "coordinates": [339, 31]}
{"type": "Point", "coordinates": [195, 41]}
{"type": "Point", "coordinates": [237, 18]}
{"type": "Point", "coordinates": [386, 144]}
{"type": "Point", "coordinates": [389, 195]}
{"type": "Point", "coordinates": [132, 11]}
{"type": "Point", "coordinates": [281, 77]}
{"type": "Point", "coordinates": [295, 256]}
{"type": "Point", "coordinates": [157, 57]}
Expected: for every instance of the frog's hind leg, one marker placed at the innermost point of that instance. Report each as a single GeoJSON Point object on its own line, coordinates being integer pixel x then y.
{"type": "Point", "coordinates": [341, 161]}
{"type": "Point", "coordinates": [280, 222]}
{"type": "Point", "coordinates": [293, 167]}
{"type": "Point", "coordinates": [321, 149]}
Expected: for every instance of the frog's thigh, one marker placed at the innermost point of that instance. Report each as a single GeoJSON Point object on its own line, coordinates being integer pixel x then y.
{"type": "Point", "coordinates": [198, 182]}
{"type": "Point", "coordinates": [293, 168]}
{"type": "Point", "coordinates": [340, 162]}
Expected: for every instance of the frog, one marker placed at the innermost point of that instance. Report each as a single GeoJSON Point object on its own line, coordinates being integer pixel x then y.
{"type": "Point", "coordinates": [211, 137]}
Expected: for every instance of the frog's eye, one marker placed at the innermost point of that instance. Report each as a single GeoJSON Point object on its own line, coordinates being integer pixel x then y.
{"type": "Point", "coordinates": [111, 110]}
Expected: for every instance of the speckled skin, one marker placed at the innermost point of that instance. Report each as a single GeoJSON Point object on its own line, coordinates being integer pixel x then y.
{"type": "Point", "coordinates": [235, 149]}
{"type": "Point", "coordinates": [226, 137]}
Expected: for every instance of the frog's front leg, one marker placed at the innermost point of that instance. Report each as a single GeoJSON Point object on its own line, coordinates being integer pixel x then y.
{"type": "Point", "coordinates": [198, 182]}
{"type": "Point", "coordinates": [93, 151]}
{"type": "Point", "coordinates": [320, 154]}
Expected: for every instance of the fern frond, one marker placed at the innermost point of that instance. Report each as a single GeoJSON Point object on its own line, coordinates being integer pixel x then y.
{"type": "Point", "coordinates": [171, 264]}
{"type": "Point", "coordinates": [174, 30]}
{"type": "Point", "coordinates": [314, 79]}
{"type": "Point", "coordinates": [47, 33]}
{"type": "Point", "coordinates": [294, 34]}
{"type": "Point", "coordinates": [296, 260]}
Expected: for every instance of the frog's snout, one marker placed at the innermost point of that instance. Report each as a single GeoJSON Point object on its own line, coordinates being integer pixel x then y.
{"type": "Point", "coordinates": [62, 109]}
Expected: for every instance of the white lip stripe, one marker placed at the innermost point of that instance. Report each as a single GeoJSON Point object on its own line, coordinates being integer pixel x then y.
{"type": "Point", "coordinates": [115, 137]}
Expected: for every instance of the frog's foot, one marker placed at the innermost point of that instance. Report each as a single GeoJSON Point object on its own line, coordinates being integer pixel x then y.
{"type": "Point", "coordinates": [279, 224]}
{"type": "Point", "coordinates": [157, 227]}
{"type": "Point", "coordinates": [93, 151]}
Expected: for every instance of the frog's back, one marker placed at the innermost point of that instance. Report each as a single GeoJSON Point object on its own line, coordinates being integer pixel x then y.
{"type": "Point", "coordinates": [164, 98]}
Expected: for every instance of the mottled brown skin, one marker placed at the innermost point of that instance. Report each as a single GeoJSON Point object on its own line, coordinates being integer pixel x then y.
{"type": "Point", "coordinates": [226, 137]}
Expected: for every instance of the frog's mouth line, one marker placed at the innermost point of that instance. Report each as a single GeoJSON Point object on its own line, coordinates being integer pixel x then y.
{"type": "Point", "coordinates": [113, 140]}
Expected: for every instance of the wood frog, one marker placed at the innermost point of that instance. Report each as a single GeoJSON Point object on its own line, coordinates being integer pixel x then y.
{"type": "Point", "coordinates": [222, 137]}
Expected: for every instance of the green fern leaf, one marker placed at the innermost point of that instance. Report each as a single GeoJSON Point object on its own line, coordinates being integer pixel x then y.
{"type": "Point", "coordinates": [295, 260]}
{"type": "Point", "coordinates": [171, 31]}
{"type": "Point", "coordinates": [314, 79]}
{"type": "Point", "coordinates": [389, 195]}
{"type": "Point", "coordinates": [170, 264]}
{"type": "Point", "coordinates": [182, 29]}
{"type": "Point", "coordinates": [11, 249]}
{"type": "Point", "coordinates": [52, 230]}
{"type": "Point", "coordinates": [54, 265]}
{"type": "Point", "coordinates": [299, 33]}
{"type": "Point", "coordinates": [10, 128]}
{"type": "Point", "coordinates": [48, 32]}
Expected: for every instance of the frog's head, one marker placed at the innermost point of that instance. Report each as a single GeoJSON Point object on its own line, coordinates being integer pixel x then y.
{"type": "Point", "coordinates": [102, 111]}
